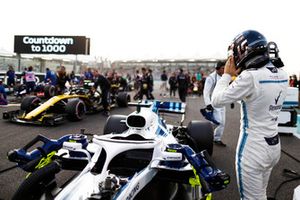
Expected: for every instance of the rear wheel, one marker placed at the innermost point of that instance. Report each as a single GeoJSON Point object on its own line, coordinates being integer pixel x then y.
{"type": "Point", "coordinates": [122, 99]}
{"type": "Point", "coordinates": [114, 125]}
{"type": "Point", "coordinates": [49, 91]}
{"type": "Point", "coordinates": [202, 136]}
{"type": "Point", "coordinates": [29, 103]}
{"type": "Point", "coordinates": [75, 109]}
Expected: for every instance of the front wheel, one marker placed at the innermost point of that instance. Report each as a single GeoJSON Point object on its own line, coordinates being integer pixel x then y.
{"type": "Point", "coordinates": [37, 183]}
{"type": "Point", "coordinates": [114, 125]}
{"type": "Point", "coordinates": [201, 136]}
{"type": "Point", "coordinates": [29, 103]}
{"type": "Point", "coordinates": [75, 109]}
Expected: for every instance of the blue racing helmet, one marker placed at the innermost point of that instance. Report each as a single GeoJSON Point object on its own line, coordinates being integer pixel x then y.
{"type": "Point", "coordinates": [247, 45]}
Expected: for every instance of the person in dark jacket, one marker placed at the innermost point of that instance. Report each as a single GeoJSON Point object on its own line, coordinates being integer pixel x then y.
{"type": "Point", "coordinates": [163, 86]}
{"type": "Point", "coordinates": [151, 84]}
{"type": "Point", "coordinates": [104, 84]}
{"type": "Point", "coordinates": [11, 76]}
{"type": "Point", "coordinates": [62, 78]}
{"type": "Point", "coordinates": [173, 84]}
{"type": "Point", "coordinates": [183, 83]}
{"type": "Point", "coordinates": [144, 85]}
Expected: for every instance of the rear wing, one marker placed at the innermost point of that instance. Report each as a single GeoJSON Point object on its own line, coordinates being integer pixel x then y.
{"type": "Point", "coordinates": [162, 107]}
{"type": "Point", "coordinates": [168, 107]}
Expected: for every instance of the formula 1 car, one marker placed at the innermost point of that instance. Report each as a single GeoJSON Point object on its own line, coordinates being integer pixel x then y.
{"type": "Point", "coordinates": [133, 152]}
{"type": "Point", "coordinates": [72, 105]}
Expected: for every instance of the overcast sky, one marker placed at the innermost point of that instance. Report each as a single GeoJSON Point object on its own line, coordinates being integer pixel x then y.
{"type": "Point", "coordinates": [156, 29]}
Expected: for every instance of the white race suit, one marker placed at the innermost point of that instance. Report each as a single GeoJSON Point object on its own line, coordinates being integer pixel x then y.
{"type": "Point", "coordinates": [219, 113]}
{"type": "Point", "coordinates": [262, 92]}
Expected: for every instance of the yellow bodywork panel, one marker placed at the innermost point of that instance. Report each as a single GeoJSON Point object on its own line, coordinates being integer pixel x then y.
{"type": "Point", "coordinates": [43, 107]}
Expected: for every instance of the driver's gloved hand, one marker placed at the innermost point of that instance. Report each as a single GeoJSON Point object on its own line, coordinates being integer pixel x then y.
{"type": "Point", "coordinates": [209, 107]}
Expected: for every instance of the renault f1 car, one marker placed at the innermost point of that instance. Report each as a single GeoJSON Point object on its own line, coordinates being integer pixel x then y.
{"type": "Point", "coordinates": [72, 105]}
{"type": "Point", "coordinates": [133, 152]}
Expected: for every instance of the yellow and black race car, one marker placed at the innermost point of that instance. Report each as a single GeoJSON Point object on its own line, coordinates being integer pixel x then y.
{"type": "Point", "coordinates": [55, 110]}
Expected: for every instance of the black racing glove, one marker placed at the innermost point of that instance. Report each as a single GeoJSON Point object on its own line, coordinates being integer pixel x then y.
{"type": "Point", "coordinates": [209, 107]}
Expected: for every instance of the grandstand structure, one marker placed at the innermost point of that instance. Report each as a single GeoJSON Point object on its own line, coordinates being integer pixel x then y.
{"type": "Point", "coordinates": [189, 65]}
{"type": "Point", "coordinates": [40, 64]}
{"type": "Point", "coordinates": [129, 66]}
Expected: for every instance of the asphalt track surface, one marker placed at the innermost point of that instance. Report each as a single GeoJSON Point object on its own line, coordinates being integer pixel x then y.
{"type": "Point", "coordinates": [17, 135]}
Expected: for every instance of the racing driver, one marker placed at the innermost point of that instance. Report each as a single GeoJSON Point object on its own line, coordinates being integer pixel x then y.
{"type": "Point", "coordinates": [261, 87]}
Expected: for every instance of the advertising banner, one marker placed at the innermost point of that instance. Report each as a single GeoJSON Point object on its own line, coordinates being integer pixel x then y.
{"type": "Point", "coordinates": [26, 44]}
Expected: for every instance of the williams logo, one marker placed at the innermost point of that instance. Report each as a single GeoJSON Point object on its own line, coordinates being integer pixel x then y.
{"type": "Point", "coordinates": [276, 107]}
{"type": "Point", "coordinates": [133, 192]}
{"type": "Point", "coordinates": [276, 99]}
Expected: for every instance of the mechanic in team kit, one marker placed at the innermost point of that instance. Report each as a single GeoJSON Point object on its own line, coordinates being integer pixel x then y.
{"type": "Point", "coordinates": [11, 76]}
{"type": "Point", "coordinates": [88, 75]}
{"type": "Point", "coordinates": [261, 87]}
{"type": "Point", "coordinates": [50, 77]}
{"type": "Point", "coordinates": [62, 78]}
{"type": "Point", "coordinates": [218, 113]}
{"type": "Point", "coordinates": [144, 85]}
{"type": "Point", "coordinates": [3, 97]}
{"type": "Point", "coordinates": [104, 84]}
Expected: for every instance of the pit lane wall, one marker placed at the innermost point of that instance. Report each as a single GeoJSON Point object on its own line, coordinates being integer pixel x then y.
{"type": "Point", "coordinates": [289, 117]}
{"type": "Point", "coordinates": [297, 134]}
{"type": "Point", "coordinates": [39, 77]}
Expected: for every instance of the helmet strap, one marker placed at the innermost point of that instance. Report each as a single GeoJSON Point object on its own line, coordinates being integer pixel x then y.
{"type": "Point", "coordinates": [257, 62]}
{"type": "Point", "coordinates": [277, 62]}
{"type": "Point", "coordinates": [273, 54]}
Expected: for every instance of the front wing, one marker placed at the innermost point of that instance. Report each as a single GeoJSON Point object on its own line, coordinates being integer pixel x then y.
{"type": "Point", "coordinates": [45, 119]}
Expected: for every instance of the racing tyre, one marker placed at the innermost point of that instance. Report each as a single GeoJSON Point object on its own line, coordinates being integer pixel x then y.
{"type": "Point", "coordinates": [114, 125]}
{"type": "Point", "coordinates": [122, 99]}
{"type": "Point", "coordinates": [49, 91]}
{"type": "Point", "coordinates": [201, 136]}
{"type": "Point", "coordinates": [29, 103]}
{"type": "Point", "coordinates": [37, 183]}
{"type": "Point", "coordinates": [75, 109]}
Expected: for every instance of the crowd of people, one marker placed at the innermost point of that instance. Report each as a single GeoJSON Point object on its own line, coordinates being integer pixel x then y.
{"type": "Point", "coordinates": [182, 82]}
{"type": "Point", "coordinates": [178, 81]}
{"type": "Point", "coordinates": [142, 82]}
{"type": "Point", "coordinates": [175, 82]}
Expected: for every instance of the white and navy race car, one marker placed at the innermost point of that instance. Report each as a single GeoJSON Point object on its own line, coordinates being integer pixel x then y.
{"type": "Point", "coordinates": [138, 156]}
